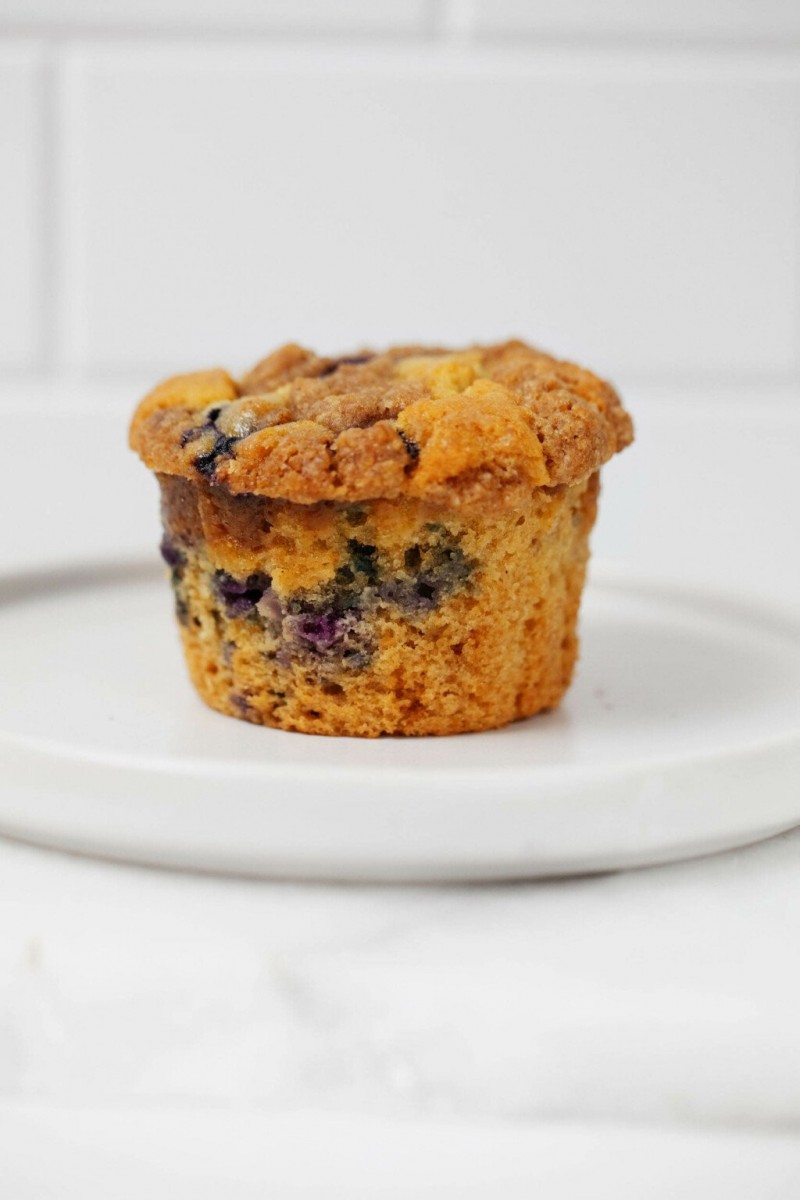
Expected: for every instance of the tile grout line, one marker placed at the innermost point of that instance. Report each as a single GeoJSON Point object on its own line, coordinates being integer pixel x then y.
{"type": "Point", "coordinates": [796, 230]}
{"type": "Point", "coordinates": [188, 33]}
{"type": "Point", "coordinates": [64, 274]}
{"type": "Point", "coordinates": [49, 204]}
{"type": "Point", "coordinates": [443, 23]}
{"type": "Point", "coordinates": [43, 185]}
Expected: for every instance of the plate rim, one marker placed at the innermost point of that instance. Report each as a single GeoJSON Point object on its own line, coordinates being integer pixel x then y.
{"type": "Point", "coordinates": [773, 616]}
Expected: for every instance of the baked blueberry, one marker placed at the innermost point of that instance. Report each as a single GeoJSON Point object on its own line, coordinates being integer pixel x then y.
{"type": "Point", "coordinates": [240, 596]}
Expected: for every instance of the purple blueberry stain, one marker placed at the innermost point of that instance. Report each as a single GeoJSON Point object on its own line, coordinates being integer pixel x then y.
{"type": "Point", "coordinates": [191, 435]}
{"type": "Point", "coordinates": [269, 607]}
{"type": "Point", "coordinates": [329, 628]}
{"type": "Point", "coordinates": [319, 631]}
{"type": "Point", "coordinates": [244, 708]}
{"type": "Point", "coordinates": [240, 596]}
{"type": "Point", "coordinates": [411, 448]}
{"type": "Point", "coordinates": [433, 570]}
{"type": "Point", "coordinates": [172, 555]}
{"type": "Point", "coordinates": [175, 559]}
{"type": "Point", "coordinates": [206, 462]}
{"type": "Point", "coordinates": [283, 656]}
{"type": "Point", "coordinates": [221, 448]}
{"type": "Point", "coordinates": [324, 635]}
{"type": "Point", "coordinates": [416, 597]}
{"type": "Point", "coordinates": [363, 559]}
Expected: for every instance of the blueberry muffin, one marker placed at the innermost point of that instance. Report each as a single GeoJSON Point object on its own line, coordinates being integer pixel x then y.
{"type": "Point", "coordinates": [389, 543]}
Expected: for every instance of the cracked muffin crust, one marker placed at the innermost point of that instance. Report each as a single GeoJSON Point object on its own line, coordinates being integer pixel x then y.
{"type": "Point", "coordinates": [381, 543]}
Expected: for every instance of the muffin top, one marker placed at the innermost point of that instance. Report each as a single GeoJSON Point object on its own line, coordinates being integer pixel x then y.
{"type": "Point", "coordinates": [459, 427]}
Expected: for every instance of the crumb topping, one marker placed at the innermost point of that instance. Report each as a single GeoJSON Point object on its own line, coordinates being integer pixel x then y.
{"type": "Point", "coordinates": [476, 426]}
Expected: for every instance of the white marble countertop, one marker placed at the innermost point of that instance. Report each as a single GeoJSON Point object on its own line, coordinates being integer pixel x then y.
{"type": "Point", "coordinates": [664, 998]}
{"type": "Point", "coordinates": [666, 995]}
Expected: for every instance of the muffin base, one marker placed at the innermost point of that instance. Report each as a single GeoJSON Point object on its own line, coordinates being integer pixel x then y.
{"type": "Point", "coordinates": [387, 617]}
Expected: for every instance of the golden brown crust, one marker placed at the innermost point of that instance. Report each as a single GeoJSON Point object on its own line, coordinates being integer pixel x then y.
{"type": "Point", "coordinates": [480, 426]}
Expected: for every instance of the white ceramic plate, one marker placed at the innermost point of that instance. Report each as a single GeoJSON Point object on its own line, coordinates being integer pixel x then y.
{"type": "Point", "coordinates": [680, 735]}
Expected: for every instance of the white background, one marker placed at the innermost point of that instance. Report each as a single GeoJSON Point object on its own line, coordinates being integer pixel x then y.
{"type": "Point", "coordinates": [185, 185]}
{"type": "Point", "coordinates": [191, 183]}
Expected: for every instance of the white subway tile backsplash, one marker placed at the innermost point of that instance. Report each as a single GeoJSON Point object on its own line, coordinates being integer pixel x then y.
{"type": "Point", "coordinates": [712, 21]}
{"type": "Point", "coordinates": [229, 16]}
{"type": "Point", "coordinates": [640, 215]}
{"type": "Point", "coordinates": [20, 204]}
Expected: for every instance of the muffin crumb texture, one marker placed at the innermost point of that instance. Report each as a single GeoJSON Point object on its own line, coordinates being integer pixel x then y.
{"type": "Point", "coordinates": [387, 543]}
